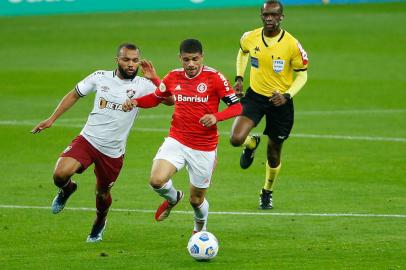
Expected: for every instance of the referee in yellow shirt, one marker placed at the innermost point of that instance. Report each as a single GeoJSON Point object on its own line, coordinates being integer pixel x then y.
{"type": "Point", "coordinates": [275, 57]}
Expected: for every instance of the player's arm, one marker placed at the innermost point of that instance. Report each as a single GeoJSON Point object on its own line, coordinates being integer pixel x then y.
{"type": "Point", "coordinates": [300, 63]}
{"type": "Point", "coordinates": [148, 101]}
{"type": "Point", "coordinates": [65, 104]}
{"type": "Point", "coordinates": [241, 65]}
{"type": "Point", "coordinates": [279, 99]}
{"type": "Point", "coordinates": [298, 83]}
{"type": "Point", "coordinates": [233, 109]}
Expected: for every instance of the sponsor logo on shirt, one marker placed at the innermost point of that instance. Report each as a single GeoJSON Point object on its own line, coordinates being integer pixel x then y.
{"type": "Point", "coordinates": [278, 65]}
{"type": "Point", "coordinates": [105, 88]}
{"type": "Point", "coordinates": [105, 104]}
{"type": "Point", "coordinates": [196, 98]}
{"type": "Point", "coordinates": [201, 88]}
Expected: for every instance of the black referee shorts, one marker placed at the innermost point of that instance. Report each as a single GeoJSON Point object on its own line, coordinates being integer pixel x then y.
{"type": "Point", "coordinates": [279, 120]}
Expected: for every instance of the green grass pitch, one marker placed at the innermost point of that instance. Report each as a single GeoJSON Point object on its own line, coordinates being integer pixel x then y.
{"type": "Point", "coordinates": [347, 153]}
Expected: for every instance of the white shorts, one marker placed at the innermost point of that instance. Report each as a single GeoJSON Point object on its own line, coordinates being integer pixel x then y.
{"type": "Point", "coordinates": [199, 164]}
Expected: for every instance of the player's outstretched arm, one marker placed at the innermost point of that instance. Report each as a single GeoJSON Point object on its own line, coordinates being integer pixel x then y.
{"type": "Point", "coordinates": [65, 104]}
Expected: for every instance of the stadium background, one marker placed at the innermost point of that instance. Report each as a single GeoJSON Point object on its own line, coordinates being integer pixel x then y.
{"type": "Point", "coordinates": [340, 200]}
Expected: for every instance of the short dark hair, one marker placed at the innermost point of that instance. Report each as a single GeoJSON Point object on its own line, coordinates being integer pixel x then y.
{"type": "Point", "coordinates": [191, 46]}
{"type": "Point", "coordinates": [274, 2]}
{"type": "Point", "coordinates": [129, 46]}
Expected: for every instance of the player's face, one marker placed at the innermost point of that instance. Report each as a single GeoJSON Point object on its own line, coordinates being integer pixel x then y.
{"type": "Point", "coordinates": [271, 16]}
{"type": "Point", "coordinates": [127, 63]}
{"type": "Point", "coordinates": [192, 63]}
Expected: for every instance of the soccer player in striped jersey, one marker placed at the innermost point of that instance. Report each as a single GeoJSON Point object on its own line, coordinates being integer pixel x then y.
{"type": "Point", "coordinates": [193, 136]}
{"type": "Point", "coordinates": [275, 56]}
{"type": "Point", "coordinates": [103, 139]}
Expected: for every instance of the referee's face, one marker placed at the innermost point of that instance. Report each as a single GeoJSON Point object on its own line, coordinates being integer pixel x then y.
{"type": "Point", "coordinates": [192, 63]}
{"type": "Point", "coordinates": [271, 15]}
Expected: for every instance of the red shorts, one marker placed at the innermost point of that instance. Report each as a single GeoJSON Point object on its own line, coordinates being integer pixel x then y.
{"type": "Point", "coordinates": [106, 168]}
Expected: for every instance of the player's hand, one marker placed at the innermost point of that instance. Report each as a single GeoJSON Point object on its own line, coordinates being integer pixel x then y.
{"type": "Point", "coordinates": [148, 69]}
{"type": "Point", "coordinates": [168, 101]}
{"type": "Point", "coordinates": [129, 104]}
{"type": "Point", "coordinates": [239, 88]}
{"type": "Point", "coordinates": [208, 120]}
{"type": "Point", "coordinates": [278, 99]}
{"type": "Point", "coordinates": [42, 125]}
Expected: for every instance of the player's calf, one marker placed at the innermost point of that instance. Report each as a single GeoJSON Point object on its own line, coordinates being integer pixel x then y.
{"type": "Point", "coordinates": [58, 203]}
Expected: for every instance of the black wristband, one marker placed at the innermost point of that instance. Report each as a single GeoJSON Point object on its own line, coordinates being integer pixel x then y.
{"type": "Point", "coordinates": [287, 96]}
{"type": "Point", "coordinates": [238, 77]}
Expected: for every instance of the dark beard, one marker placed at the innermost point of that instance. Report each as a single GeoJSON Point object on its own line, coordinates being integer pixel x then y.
{"type": "Point", "coordinates": [125, 75]}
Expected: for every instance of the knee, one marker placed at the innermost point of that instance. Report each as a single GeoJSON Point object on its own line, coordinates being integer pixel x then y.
{"type": "Point", "coordinates": [236, 140]}
{"type": "Point", "coordinates": [102, 195]}
{"type": "Point", "coordinates": [196, 201]}
{"type": "Point", "coordinates": [61, 175]}
{"type": "Point", "coordinates": [156, 182]}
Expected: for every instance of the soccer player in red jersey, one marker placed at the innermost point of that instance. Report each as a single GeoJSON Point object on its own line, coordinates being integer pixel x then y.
{"type": "Point", "coordinates": [193, 137]}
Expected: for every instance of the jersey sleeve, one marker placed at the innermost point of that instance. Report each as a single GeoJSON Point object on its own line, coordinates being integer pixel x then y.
{"type": "Point", "coordinates": [146, 87]}
{"type": "Point", "coordinates": [300, 59]}
{"type": "Point", "coordinates": [88, 84]}
{"type": "Point", "coordinates": [164, 90]}
{"type": "Point", "coordinates": [224, 90]}
{"type": "Point", "coordinates": [244, 43]}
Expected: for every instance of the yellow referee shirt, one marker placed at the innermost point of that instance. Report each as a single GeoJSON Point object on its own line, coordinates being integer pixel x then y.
{"type": "Point", "coordinates": [273, 60]}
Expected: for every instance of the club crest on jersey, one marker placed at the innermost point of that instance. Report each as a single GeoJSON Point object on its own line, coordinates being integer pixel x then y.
{"type": "Point", "coordinates": [130, 93]}
{"type": "Point", "coordinates": [162, 87]}
{"type": "Point", "coordinates": [201, 88]}
{"type": "Point", "coordinates": [278, 65]}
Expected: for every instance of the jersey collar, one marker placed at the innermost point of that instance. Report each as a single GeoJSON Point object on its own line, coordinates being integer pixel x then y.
{"type": "Point", "coordinates": [281, 35]}
{"type": "Point", "coordinates": [200, 71]}
{"type": "Point", "coordinates": [122, 80]}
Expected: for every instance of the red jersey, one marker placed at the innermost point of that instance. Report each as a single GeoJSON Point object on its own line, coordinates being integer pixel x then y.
{"type": "Point", "coordinates": [195, 97]}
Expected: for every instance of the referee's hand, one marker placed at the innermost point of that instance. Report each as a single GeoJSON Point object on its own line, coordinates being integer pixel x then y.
{"type": "Point", "coordinates": [239, 89]}
{"type": "Point", "coordinates": [277, 99]}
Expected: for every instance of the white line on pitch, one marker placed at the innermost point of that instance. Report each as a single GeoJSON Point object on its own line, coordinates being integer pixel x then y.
{"type": "Point", "coordinates": [219, 213]}
{"type": "Point", "coordinates": [298, 135]}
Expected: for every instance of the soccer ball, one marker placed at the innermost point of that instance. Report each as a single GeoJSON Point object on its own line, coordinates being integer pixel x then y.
{"type": "Point", "coordinates": [203, 246]}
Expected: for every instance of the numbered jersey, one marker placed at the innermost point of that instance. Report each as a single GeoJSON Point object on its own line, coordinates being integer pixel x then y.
{"type": "Point", "coordinates": [195, 97]}
{"type": "Point", "coordinates": [273, 60]}
{"type": "Point", "coordinates": [108, 126]}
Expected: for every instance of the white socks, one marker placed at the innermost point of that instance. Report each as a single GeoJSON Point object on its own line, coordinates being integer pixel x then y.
{"type": "Point", "coordinates": [201, 213]}
{"type": "Point", "coordinates": [168, 192]}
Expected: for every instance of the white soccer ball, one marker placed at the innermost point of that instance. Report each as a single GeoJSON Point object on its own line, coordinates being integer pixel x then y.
{"type": "Point", "coordinates": [203, 246]}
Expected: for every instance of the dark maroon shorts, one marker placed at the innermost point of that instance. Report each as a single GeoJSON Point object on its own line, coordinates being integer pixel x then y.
{"type": "Point", "coordinates": [106, 168]}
